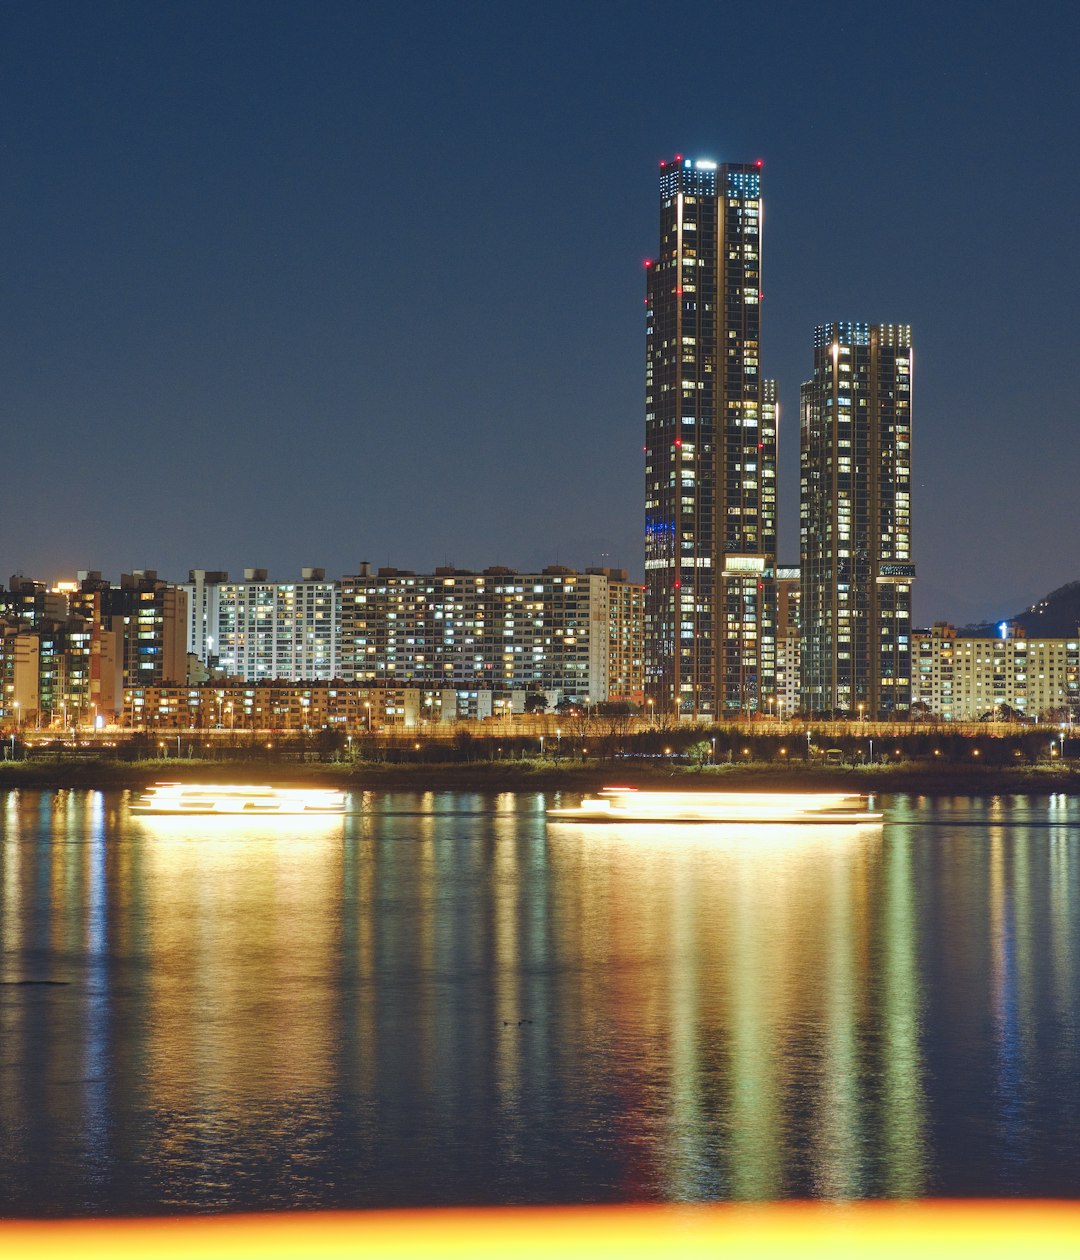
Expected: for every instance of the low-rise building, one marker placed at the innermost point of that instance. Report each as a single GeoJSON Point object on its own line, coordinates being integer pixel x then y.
{"type": "Point", "coordinates": [268, 707]}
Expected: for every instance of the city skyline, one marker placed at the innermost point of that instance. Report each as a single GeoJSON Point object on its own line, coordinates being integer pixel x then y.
{"type": "Point", "coordinates": [229, 300]}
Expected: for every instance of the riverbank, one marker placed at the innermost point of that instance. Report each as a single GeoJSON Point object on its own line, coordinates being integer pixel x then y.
{"type": "Point", "coordinates": [920, 778]}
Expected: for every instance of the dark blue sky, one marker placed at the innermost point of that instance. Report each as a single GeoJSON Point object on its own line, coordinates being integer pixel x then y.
{"type": "Point", "coordinates": [293, 284]}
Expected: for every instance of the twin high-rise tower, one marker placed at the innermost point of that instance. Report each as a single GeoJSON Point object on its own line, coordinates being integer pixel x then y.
{"type": "Point", "coordinates": [855, 522]}
{"type": "Point", "coordinates": [710, 449]}
{"type": "Point", "coordinates": [710, 478]}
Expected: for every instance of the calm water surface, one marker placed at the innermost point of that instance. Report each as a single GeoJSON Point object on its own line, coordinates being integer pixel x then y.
{"type": "Point", "coordinates": [443, 999]}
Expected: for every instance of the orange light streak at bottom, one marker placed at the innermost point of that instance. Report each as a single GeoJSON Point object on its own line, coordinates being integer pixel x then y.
{"type": "Point", "coordinates": [983, 1228]}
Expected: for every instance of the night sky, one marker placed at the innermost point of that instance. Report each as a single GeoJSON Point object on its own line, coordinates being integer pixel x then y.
{"type": "Point", "coordinates": [311, 284]}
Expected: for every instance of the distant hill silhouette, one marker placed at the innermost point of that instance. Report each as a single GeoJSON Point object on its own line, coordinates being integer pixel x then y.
{"type": "Point", "coordinates": [1055, 616]}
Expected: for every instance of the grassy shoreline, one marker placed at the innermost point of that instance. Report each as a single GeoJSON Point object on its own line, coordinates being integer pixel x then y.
{"type": "Point", "coordinates": [547, 776]}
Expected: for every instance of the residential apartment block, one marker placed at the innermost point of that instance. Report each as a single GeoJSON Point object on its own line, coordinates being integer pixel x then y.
{"type": "Point", "coordinates": [573, 636]}
{"type": "Point", "coordinates": [710, 449]}
{"type": "Point", "coordinates": [965, 679]}
{"type": "Point", "coordinates": [67, 651]}
{"type": "Point", "coordinates": [260, 630]}
{"type": "Point", "coordinates": [855, 522]}
{"type": "Point", "coordinates": [788, 653]}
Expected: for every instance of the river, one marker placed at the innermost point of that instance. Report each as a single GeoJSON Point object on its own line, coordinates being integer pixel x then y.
{"type": "Point", "coordinates": [448, 999]}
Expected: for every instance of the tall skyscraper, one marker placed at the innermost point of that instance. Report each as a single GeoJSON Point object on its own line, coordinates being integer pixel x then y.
{"type": "Point", "coordinates": [855, 521]}
{"type": "Point", "coordinates": [710, 449]}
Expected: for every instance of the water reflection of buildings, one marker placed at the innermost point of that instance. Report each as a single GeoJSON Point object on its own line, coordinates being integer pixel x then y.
{"type": "Point", "coordinates": [755, 1049]}
{"type": "Point", "coordinates": [440, 992]}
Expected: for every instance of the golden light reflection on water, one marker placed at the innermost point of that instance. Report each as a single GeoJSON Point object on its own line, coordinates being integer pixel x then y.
{"type": "Point", "coordinates": [751, 990]}
{"type": "Point", "coordinates": [241, 920]}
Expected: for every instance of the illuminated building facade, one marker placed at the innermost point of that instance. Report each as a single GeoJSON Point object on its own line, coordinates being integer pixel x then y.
{"type": "Point", "coordinates": [149, 615]}
{"type": "Point", "coordinates": [271, 706]}
{"type": "Point", "coordinates": [710, 449]}
{"type": "Point", "coordinates": [560, 632]}
{"type": "Point", "coordinates": [32, 602]}
{"type": "Point", "coordinates": [548, 632]}
{"type": "Point", "coordinates": [964, 679]}
{"type": "Point", "coordinates": [60, 662]}
{"type": "Point", "coordinates": [626, 667]}
{"type": "Point", "coordinates": [259, 630]}
{"type": "Point", "coordinates": [855, 522]}
{"type": "Point", "coordinates": [788, 623]}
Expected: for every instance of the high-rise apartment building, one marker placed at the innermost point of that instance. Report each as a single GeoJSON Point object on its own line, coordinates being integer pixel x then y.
{"type": "Point", "coordinates": [499, 629]}
{"type": "Point", "coordinates": [788, 621]}
{"type": "Point", "coordinates": [570, 635]}
{"type": "Point", "coordinates": [259, 630]}
{"type": "Point", "coordinates": [710, 449]}
{"type": "Point", "coordinates": [855, 522]}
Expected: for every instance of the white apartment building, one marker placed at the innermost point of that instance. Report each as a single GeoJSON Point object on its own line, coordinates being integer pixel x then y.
{"type": "Point", "coordinates": [573, 636]}
{"type": "Point", "coordinates": [964, 679]}
{"type": "Point", "coordinates": [260, 630]}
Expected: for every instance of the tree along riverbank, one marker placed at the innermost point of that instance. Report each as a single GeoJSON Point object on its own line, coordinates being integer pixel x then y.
{"type": "Point", "coordinates": [932, 779]}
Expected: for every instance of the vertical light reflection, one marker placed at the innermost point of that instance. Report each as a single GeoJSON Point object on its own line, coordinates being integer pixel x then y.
{"type": "Point", "coordinates": [690, 1176]}
{"type": "Point", "coordinates": [11, 923]}
{"type": "Point", "coordinates": [766, 908]}
{"type": "Point", "coordinates": [433, 939]}
{"type": "Point", "coordinates": [56, 824]}
{"type": "Point", "coordinates": [241, 935]}
{"type": "Point", "coordinates": [509, 1034]}
{"type": "Point", "coordinates": [96, 986]}
{"type": "Point", "coordinates": [16, 875]}
{"type": "Point", "coordinates": [1063, 877]}
{"type": "Point", "coordinates": [904, 1100]}
{"type": "Point", "coordinates": [1003, 971]}
{"type": "Point", "coordinates": [1026, 992]}
{"type": "Point", "coordinates": [359, 887]}
{"type": "Point", "coordinates": [838, 1152]}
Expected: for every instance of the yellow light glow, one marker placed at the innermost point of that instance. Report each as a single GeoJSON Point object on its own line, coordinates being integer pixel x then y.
{"type": "Point", "coordinates": [247, 800]}
{"type": "Point", "coordinates": [993, 1231]}
{"type": "Point", "coordinates": [631, 806]}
